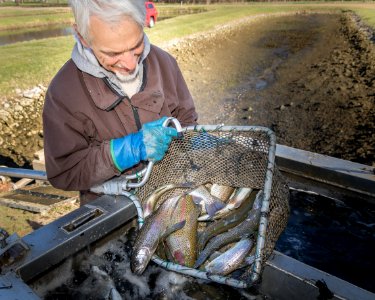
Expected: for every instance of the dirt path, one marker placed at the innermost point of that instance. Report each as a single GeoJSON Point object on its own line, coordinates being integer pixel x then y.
{"type": "Point", "coordinates": [309, 77]}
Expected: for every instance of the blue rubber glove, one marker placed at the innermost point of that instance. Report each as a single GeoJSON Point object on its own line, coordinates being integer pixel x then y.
{"type": "Point", "coordinates": [150, 143]}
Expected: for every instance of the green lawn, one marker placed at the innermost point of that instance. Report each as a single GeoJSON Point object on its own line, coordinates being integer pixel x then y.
{"type": "Point", "coordinates": [24, 65]}
{"type": "Point", "coordinates": [367, 15]}
{"type": "Point", "coordinates": [14, 18]}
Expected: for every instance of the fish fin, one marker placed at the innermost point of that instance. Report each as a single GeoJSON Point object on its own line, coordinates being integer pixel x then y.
{"type": "Point", "coordinates": [173, 228]}
{"type": "Point", "coordinates": [215, 206]}
{"type": "Point", "coordinates": [204, 218]}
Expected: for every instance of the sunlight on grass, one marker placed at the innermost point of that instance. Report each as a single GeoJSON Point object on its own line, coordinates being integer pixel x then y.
{"type": "Point", "coordinates": [21, 18]}
{"type": "Point", "coordinates": [30, 63]}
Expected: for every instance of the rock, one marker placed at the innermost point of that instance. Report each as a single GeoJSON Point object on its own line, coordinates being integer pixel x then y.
{"type": "Point", "coordinates": [17, 118]}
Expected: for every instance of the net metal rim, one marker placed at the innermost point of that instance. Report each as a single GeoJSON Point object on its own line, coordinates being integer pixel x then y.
{"type": "Point", "coordinates": [260, 241]}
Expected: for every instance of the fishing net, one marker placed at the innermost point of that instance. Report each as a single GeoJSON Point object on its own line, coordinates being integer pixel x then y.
{"type": "Point", "coordinates": [241, 156]}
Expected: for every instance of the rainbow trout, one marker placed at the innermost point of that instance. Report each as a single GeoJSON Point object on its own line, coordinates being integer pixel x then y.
{"type": "Point", "coordinates": [150, 203]}
{"type": "Point", "coordinates": [231, 259]}
{"type": "Point", "coordinates": [232, 219]}
{"type": "Point", "coordinates": [203, 197]}
{"type": "Point", "coordinates": [234, 202]}
{"type": "Point", "coordinates": [182, 243]}
{"type": "Point", "coordinates": [244, 229]}
{"type": "Point", "coordinates": [156, 227]}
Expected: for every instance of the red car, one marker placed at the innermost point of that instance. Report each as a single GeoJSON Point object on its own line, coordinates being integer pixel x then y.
{"type": "Point", "coordinates": [151, 14]}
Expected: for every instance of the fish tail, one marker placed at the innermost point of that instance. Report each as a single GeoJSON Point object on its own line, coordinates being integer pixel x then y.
{"type": "Point", "coordinates": [202, 241]}
{"type": "Point", "coordinates": [201, 259]}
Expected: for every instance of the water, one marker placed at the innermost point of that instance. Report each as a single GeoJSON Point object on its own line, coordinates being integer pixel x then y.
{"type": "Point", "coordinates": [16, 36]}
{"type": "Point", "coordinates": [113, 263]}
{"type": "Point", "coordinates": [36, 33]}
{"type": "Point", "coordinates": [21, 35]}
{"type": "Point", "coordinates": [332, 235]}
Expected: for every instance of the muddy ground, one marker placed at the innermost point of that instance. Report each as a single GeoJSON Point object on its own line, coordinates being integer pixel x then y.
{"type": "Point", "coordinates": [309, 77]}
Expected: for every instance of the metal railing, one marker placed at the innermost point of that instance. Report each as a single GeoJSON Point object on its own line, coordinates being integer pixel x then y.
{"type": "Point", "coordinates": [23, 173]}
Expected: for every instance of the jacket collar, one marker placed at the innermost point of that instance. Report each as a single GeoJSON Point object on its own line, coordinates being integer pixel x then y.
{"type": "Point", "coordinates": [104, 95]}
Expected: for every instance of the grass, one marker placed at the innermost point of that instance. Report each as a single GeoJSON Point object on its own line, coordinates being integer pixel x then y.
{"type": "Point", "coordinates": [14, 18]}
{"type": "Point", "coordinates": [10, 220]}
{"type": "Point", "coordinates": [23, 222]}
{"type": "Point", "coordinates": [367, 15]}
{"type": "Point", "coordinates": [218, 14]}
{"type": "Point", "coordinates": [24, 65]}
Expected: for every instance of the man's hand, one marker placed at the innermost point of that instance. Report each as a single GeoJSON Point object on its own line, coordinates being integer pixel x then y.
{"type": "Point", "coordinates": [156, 139]}
{"type": "Point", "coordinates": [150, 143]}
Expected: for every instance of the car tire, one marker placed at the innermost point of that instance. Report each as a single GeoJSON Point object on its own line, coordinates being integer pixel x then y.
{"type": "Point", "coordinates": [152, 22]}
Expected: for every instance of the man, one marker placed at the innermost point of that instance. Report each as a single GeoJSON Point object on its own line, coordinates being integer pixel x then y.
{"type": "Point", "coordinates": [104, 109]}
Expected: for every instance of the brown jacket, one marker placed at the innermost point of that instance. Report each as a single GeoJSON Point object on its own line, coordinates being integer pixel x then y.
{"type": "Point", "coordinates": [82, 114]}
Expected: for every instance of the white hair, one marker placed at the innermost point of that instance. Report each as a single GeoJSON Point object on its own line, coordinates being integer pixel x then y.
{"type": "Point", "coordinates": [109, 11]}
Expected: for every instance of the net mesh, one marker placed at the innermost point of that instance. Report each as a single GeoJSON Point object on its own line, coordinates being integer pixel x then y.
{"type": "Point", "coordinates": [237, 158]}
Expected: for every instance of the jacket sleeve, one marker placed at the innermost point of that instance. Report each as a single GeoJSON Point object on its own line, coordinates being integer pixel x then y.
{"type": "Point", "coordinates": [73, 162]}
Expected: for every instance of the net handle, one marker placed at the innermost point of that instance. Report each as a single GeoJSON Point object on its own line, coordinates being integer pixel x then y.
{"type": "Point", "coordinates": [146, 172]}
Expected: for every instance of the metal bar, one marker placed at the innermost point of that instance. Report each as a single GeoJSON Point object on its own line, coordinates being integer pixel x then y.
{"type": "Point", "coordinates": [322, 168]}
{"type": "Point", "coordinates": [285, 278]}
{"type": "Point", "coordinates": [23, 173]}
{"type": "Point", "coordinates": [12, 287]}
{"type": "Point", "coordinates": [263, 222]}
{"type": "Point", "coordinates": [52, 243]}
{"type": "Point", "coordinates": [22, 183]}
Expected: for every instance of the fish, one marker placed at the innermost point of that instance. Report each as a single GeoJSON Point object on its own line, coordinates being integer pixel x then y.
{"type": "Point", "coordinates": [232, 219]}
{"type": "Point", "coordinates": [234, 202]}
{"type": "Point", "coordinates": [157, 226]}
{"type": "Point", "coordinates": [162, 251]}
{"type": "Point", "coordinates": [244, 229]}
{"type": "Point", "coordinates": [223, 192]}
{"type": "Point", "coordinates": [182, 243]}
{"type": "Point", "coordinates": [231, 259]}
{"type": "Point", "coordinates": [150, 203]}
{"type": "Point", "coordinates": [202, 196]}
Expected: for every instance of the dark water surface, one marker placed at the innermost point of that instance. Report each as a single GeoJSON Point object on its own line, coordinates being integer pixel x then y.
{"type": "Point", "coordinates": [335, 236]}
{"type": "Point", "coordinates": [35, 34]}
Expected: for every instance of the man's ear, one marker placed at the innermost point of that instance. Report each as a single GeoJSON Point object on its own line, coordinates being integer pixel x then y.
{"type": "Point", "coordinates": [83, 41]}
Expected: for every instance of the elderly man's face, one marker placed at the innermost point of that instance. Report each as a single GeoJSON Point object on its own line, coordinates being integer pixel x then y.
{"type": "Point", "coordinates": [117, 47]}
